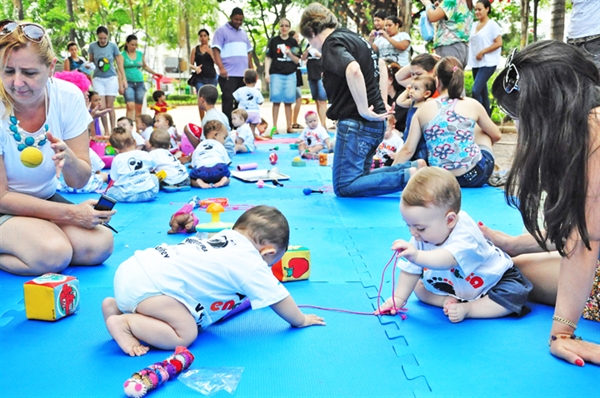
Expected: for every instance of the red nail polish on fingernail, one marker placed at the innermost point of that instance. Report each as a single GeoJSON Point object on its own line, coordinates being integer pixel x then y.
{"type": "Point", "coordinates": [579, 362]}
{"type": "Point", "coordinates": [480, 223]}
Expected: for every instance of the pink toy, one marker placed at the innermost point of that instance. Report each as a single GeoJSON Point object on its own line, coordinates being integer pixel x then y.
{"type": "Point", "coordinates": [75, 77]}
{"type": "Point", "coordinates": [273, 158]}
{"type": "Point", "coordinates": [184, 221]}
{"type": "Point", "coordinates": [247, 166]}
{"type": "Point", "coordinates": [186, 146]}
{"type": "Point", "coordinates": [260, 183]}
{"type": "Point", "coordinates": [153, 376]}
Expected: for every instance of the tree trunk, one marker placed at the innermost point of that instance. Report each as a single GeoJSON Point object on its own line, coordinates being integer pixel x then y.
{"type": "Point", "coordinates": [557, 27]}
{"type": "Point", "coordinates": [524, 22]}
{"type": "Point", "coordinates": [405, 14]}
{"type": "Point", "coordinates": [19, 6]}
{"type": "Point", "coordinates": [71, 19]}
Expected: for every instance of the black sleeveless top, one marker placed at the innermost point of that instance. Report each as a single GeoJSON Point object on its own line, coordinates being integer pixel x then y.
{"type": "Point", "coordinates": [208, 64]}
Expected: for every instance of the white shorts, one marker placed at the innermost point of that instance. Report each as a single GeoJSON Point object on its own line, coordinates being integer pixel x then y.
{"type": "Point", "coordinates": [132, 286]}
{"type": "Point", "coordinates": [106, 86]}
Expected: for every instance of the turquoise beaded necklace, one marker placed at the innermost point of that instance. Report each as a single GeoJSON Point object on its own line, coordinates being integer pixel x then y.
{"type": "Point", "coordinates": [27, 144]}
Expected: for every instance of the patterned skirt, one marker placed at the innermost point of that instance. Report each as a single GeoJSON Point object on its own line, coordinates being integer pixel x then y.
{"type": "Point", "coordinates": [592, 307]}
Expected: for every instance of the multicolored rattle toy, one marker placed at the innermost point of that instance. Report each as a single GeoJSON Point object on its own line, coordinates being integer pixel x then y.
{"type": "Point", "coordinates": [153, 376]}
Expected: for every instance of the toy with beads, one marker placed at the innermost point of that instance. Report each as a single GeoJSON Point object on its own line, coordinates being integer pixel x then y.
{"type": "Point", "coordinates": [155, 375]}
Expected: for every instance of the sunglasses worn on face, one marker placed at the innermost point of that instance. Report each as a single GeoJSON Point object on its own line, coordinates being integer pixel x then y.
{"type": "Point", "coordinates": [31, 31]}
{"type": "Point", "coordinates": [512, 77]}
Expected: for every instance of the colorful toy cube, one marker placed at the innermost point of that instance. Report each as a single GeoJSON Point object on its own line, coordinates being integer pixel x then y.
{"type": "Point", "coordinates": [294, 265]}
{"type": "Point", "coordinates": [51, 297]}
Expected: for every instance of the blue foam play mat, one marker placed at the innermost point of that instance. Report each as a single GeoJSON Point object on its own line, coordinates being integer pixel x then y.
{"type": "Point", "coordinates": [353, 356]}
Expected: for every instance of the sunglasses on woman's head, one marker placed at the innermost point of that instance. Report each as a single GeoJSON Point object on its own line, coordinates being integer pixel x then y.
{"type": "Point", "coordinates": [31, 31]}
{"type": "Point", "coordinates": [512, 77]}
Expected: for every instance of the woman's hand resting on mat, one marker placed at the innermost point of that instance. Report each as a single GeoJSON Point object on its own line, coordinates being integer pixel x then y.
{"type": "Point", "coordinates": [576, 352]}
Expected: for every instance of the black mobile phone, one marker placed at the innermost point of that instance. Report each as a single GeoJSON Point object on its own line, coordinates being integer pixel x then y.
{"type": "Point", "coordinates": [105, 203]}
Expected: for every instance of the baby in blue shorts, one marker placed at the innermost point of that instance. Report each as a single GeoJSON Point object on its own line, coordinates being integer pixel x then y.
{"type": "Point", "coordinates": [210, 160]}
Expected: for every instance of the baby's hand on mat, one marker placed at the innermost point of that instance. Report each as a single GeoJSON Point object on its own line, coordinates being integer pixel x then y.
{"type": "Point", "coordinates": [312, 320]}
{"type": "Point", "coordinates": [387, 308]}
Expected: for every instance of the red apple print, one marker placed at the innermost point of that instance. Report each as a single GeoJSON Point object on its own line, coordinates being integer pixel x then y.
{"type": "Point", "coordinates": [299, 267]}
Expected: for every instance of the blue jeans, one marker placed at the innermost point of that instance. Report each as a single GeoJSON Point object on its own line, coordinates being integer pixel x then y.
{"type": "Point", "coordinates": [480, 89]}
{"type": "Point", "coordinates": [135, 92]}
{"type": "Point", "coordinates": [480, 174]}
{"type": "Point", "coordinates": [355, 146]}
{"type": "Point", "coordinates": [204, 81]}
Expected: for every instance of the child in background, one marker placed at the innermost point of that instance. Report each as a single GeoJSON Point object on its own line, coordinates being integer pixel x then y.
{"type": "Point", "coordinates": [392, 141]}
{"type": "Point", "coordinates": [250, 98]}
{"type": "Point", "coordinates": [207, 98]}
{"type": "Point", "coordinates": [210, 160]}
{"type": "Point", "coordinates": [165, 121]}
{"type": "Point", "coordinates": [127, 125]}
{"type": "Point", "coordinates": [420, 90]}
{"type": "Point", "coordinates": [145, 125]}
{"type": "Point", "coordinates": [244, 138]}
{"type": "Point", "coordinates": [131, 169]}
{"type": "Point", "coordinates": [314, 138]}
{"type": "Point", "coordinates": [95, 108]}
{"type": "Point", "coordinates": [176, 177]}
{"type": "Point", "coordinates": [160, 102]}
{"type": "Point", "coordinates": [97, 179]}
{"type": "Point", "coordinates": [150, 306]}
{"type": "Point", "coordinates": [260, 132]}
{"type": "Point", "coordinates": [450, 263]}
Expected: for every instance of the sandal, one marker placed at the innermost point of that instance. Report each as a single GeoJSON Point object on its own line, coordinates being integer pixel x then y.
{"type": "Point", "coordinates": [297, 126]}
{"type": "Point", "coordinates": [497, 179]}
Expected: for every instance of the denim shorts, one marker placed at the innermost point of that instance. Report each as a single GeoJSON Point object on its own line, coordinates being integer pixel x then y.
{"type": "Point", "coordinates": [135, 92]}
{"type": "Point", "coordinates": [480, 174]}
{"type": "Point", "coordinates": [203, 81]}
{"type": "Point", "coordinates": [317, 90]}
{"type": "Point", "coordinates": [511, 291]}
{"type": "Point", "coordinates": [283, 88]}
{"type": "Point", "coordinates": [212, 174]}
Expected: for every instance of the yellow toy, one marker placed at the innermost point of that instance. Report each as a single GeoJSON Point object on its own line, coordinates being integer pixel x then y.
{"type": "Point", "coordinates": [294, 265]}
{"type": "Point", "coordinates": [215, 225]}
{"type": "Point", "coordinates": [31, 157]}
{"type": "Point", "coordinates": [298, 162]}
{"type": "Point", "coordinates": [51, 297]}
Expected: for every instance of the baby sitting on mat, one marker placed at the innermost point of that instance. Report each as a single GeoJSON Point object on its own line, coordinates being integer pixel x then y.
{"type": "Point", "coordinates": [450, 263]}
{"type": "Point", "coordinates": [167, 294]}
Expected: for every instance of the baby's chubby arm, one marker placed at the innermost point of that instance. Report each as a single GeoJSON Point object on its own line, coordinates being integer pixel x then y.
{"type": "Point", "coordinates": [433, 259]}
{"type": "Point", "coordinates": [406, 285]}
{"type": "Point", "coordinates": [289, 311]}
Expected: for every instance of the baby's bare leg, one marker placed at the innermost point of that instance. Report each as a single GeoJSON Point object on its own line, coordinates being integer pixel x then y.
{"type": "Point", "coordinates": [160, 321]}
{"type": "Point", "coordinates": [427, 297]}
{"type": "Point", "coordinates": [480, 308]}
{"type": "Point", "coordinates": [198, 183]}
{"type": "Point", "coordinates": [222, 182]}
{"type": "Point", "coordinates": [109, 308]}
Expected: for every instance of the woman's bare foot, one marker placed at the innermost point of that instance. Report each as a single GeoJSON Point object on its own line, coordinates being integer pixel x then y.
{"type": "Point", "coordinates": [458, 311]}
{"type": "Point", "coordinates": [120, 331]}
{"type": "Point", "coordinates": [447, 302]}
{"type": "Point", "coordinates": [421, 163]}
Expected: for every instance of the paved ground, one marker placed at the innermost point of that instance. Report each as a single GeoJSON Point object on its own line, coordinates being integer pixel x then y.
{"type": "Point", "coordinates": [182, 115]}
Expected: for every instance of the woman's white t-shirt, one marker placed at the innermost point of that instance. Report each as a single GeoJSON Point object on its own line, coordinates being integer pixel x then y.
{"type": "Point", "coordinates": [481, 40]}
{"type": "Point", "coordinates": [388, 51]}
{"type": "Point", "coordinates": [68, 118]}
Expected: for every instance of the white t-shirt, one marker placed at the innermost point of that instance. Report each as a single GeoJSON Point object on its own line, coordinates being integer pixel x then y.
{"type": "Point", "coordinates": [147, 133]}
{"type": "Point", "coordinates": [388, 51]}
{"type": "Point", "coordinates": [131, 171]}
{"type": "Point", "coordinates": [248, 98]}
{"type": "Point", "coordinates": [245, 133]}
{"type": "Point", "coordinates": [584, 19]}
{"type": "Point", "coordinates": [480, 263]}
{"type": "Point", "coordinates": [96, 161]}
{"type": "Point", "coordinates": [389, 146]}
{"type": "Point", "coordinates": [314, 137]}
{"type": "Point", "coordinates": [165, 160]}
{"type": "Point", "coordinates": [68, 118]}
{"type": "Point", "coordinates": [483, 39]}
{"type": "Point", "coordinates": [209, 153]}
{"type": "Point", "coordinates": [215, 114]}
{"type": "Point", "coordinates": [211, 277]}
{"type": "Point", "coordinates": [139, 140]}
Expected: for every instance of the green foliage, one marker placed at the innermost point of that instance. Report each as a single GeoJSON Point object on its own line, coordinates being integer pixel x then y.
{"type": "Point", "coordinates": [497, 116]}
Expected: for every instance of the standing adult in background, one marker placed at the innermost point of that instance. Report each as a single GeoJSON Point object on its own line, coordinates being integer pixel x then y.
{"type": "Point", "coordinates": [108, 80]}
{"type": "Point", "coordinates": [202, 64]}
{"type": "Point", "coordinates": [555, 173]}
{"type": "Point", "coordinates": [454, 19]}
{"type": "Point", "coordinates": [395, 45]}
{"type": "Point", "coordinates": [356, 85]}
{"type": "Point", "coordinates": [43, 123]}
{"type": "Point", "coordinates": [485, 45]}
{"type": "Point", "coordinates": [584, 29]}
{"type": "Point", "coordinates": [133, 63]}
{"type": "Point", "coordinates": [299, 83]}
{"type": "Point", "coordinates": [281, 62]}
{"type": "Point", "coordinates": [232, 53]}
{"type": "Point", "coordinates": [314, 73]}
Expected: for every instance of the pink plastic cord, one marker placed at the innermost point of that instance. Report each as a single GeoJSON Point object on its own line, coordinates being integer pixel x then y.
{"type": "Point", "coordinates": [399, 311]}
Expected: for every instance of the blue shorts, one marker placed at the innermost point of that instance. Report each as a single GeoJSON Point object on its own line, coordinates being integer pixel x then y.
{"type": "Point", "coordinates": [511, 292]}
{"type": "Point", "coordinates": [212, 174]}
{"type": "Point", "coordinates": [480, 174]}
{"type": "Point", "coordinates": [317, 90]}
{"type": "Point", "coordinates": [203, 81]}
{"type": "Point", "coordinates": [135, 92]}
{"type": "Point", "coordinates": [283, 89]}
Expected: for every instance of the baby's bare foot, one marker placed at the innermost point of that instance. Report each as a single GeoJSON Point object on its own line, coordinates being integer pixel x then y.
{"type": "Point", "coordinates": [120, 331]}
{"type": "Point", "coordinates": [447, 302]}
{"type": "Point", "coordinates": [458, 311]}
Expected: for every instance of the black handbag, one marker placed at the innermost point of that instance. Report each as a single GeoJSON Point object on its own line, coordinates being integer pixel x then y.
{"type": "Point", "coordinates": [193, 79]}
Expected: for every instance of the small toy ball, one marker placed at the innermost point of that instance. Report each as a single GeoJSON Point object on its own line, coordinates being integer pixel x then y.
{"type": "Point", "coordinates": [134, 388]}
{"type": "Point", "coordinates": [273, 158]}
{"type": "Point", "coordinates": [260, 183]}
{"type": "Point", "coordinates": [110, 151]}
{"type": "Point", "coordinates": [31, 157]}
{"type": "Point", "coordinates": [308, 191]}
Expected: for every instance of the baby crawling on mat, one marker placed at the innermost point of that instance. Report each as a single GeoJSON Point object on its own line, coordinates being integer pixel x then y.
{"type": "Point", "coordinates": [165, 295]}
{"type": "Point", "coordinates": [450, 263]}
